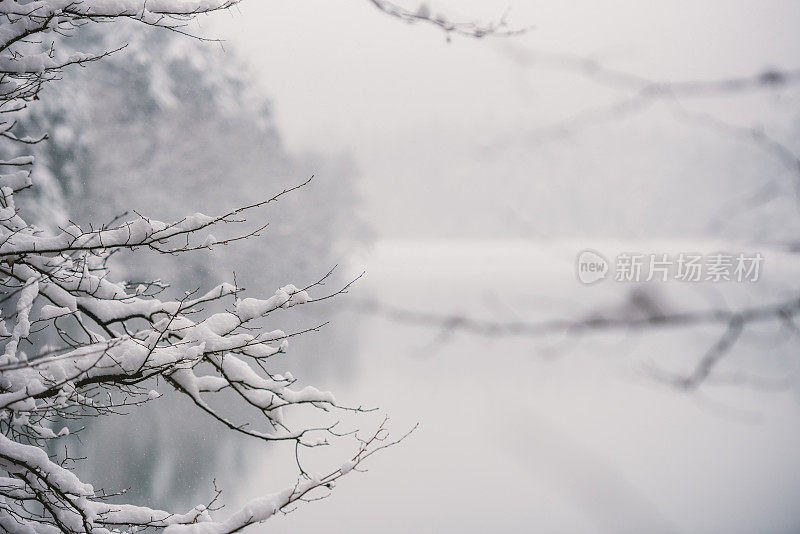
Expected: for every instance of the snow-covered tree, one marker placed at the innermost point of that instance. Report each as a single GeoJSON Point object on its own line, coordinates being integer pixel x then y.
{"type": "Point", "coordinates": [111, 344]}
{"type": "Point", "coordinates": [182, 115]}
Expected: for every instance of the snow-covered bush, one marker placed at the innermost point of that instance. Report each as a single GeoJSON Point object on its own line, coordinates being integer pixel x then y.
{"type": "Point", "coordinates": [112, 345]}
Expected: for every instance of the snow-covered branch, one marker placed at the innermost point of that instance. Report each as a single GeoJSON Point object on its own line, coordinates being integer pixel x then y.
{"type": "Point", "coordinates": [77, 343]}
{"type": "Point", "coordinates": [30, 33]}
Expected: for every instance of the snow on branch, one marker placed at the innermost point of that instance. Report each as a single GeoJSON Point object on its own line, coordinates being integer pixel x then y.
{"type": "Point", "coordinates": [306, 489]}
{"type": "Point", "coordinates": [113, 342]}
{"type": "Point", "coordinates": [30, 33]}
{"type": "Point", "coordinates": [75, 343]}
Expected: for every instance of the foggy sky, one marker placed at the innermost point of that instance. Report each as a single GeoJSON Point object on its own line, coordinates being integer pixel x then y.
{"type": "Point", "coordinates": [441, 131]}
